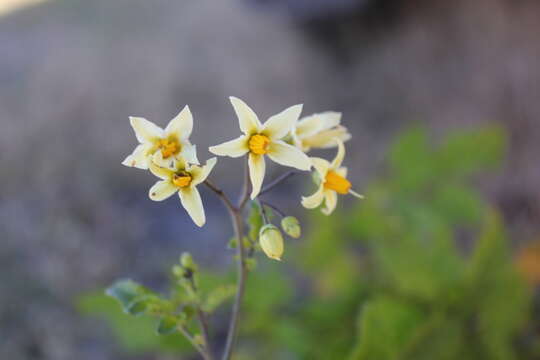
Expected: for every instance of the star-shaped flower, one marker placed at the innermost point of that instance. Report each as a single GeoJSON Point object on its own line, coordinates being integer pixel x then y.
{"type": "Point", "coordinates": [333, 181]}
{"type": "Point", "coordinates": [164, 147]}
{"type": "Point", "coordinates": [183, 180]}
{"type": "Point", "coordinates": [263, 139]}
{"type": "Point", "coordinates": [319, 131]}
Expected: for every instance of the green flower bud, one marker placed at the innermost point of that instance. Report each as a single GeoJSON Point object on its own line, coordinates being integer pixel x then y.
{"type": "Point", "coordinates": [291, 226]}
{"type": "Point", "coordinates": [186, 260]}
{"type": "Point", "coordinates": [271, 241]}
{"type": "Point", "coordinates": [178, 271]}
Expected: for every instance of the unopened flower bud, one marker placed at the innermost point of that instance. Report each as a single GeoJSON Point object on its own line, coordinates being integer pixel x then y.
{"type": "Point", "coordinates": [271, 241]}
{"type": "Point", "coordinates": [177, 271]}
{"type": "Point", "coordinates": [291, 226]}
{"type": "Point", "coordinates": [186, 260]}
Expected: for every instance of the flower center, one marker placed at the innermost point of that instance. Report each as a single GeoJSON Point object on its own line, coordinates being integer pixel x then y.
{"type": "Point", "coordinates": [258, 144]}
{"type": "Point", "coordinates": [336, 182]}
{"type": "Point", "coordinates": [168, 147]}
{"type": "Point", "coordinates": [181, 180]}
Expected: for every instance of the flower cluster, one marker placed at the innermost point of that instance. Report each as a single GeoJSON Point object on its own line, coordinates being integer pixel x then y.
{"type": "Point", "coordinates": [285, 138]}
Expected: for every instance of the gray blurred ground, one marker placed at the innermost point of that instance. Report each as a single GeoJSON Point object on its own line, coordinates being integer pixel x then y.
{"type": "Point", "coordinates": [72, 218]}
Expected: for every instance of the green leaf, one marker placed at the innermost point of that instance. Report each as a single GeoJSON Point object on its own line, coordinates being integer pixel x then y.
{"type": "Point", "coordinates": [167, 325]}
{"type": "Point", "coordinates": [134, 334]}
{"type": "Point", "coordinates": [457, 204]}
{"type": "Point", "coordinates": [127, 292]}
{"type": "Point", "coordinates": [137, 307]}
{"type": "Point", "coordinates": [503, 306]}
{"type": "Point", "coordinates": [412, 160]}
{"type": "Point", "coordinates": [255, 221]}
{"type": "Point", "coordinates": [386, 327]}
{"type": "Point", "coordinates": [465, 152]}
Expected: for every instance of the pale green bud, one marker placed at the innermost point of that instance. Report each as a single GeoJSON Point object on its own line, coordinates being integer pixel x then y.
{"type": "Point", "coordinates": [291, 226]}
{"type": "Point", "coordinates": [271, 241]}
{"type": "Point", "coordinates": [178, 271]}
{"type": "Point", "coordinates": [186, 260]}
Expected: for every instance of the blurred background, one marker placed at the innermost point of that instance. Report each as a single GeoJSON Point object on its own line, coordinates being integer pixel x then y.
{"type": "Point", "coordinates": [441, 261]}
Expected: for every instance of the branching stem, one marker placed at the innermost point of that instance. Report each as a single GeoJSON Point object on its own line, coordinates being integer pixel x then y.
{"type": "Point", "coordinates": [193, 341]}
{"type": "Point", "coordinates": [277, 181]}
{"type": "Point", "coordinates": [235, 213]}
{"type": "Point", "coordinates": [273, 207]}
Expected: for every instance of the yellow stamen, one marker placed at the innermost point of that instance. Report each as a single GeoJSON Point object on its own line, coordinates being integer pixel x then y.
{"type": "Point", "coordinates": [336, 182]}
{"type": "Point", "coordinates": [258, 144]}
{"type": "Point", "coordinates": [168, 147]}
{"type": "Point", "coordinates": [181, 180]}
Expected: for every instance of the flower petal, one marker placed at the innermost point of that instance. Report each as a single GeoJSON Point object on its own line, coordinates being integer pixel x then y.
{"type": "Point", "coordinates": [145, 131]}
{"type": "Point", "coordinates": [138, 158]}
{"type": "Point", "coordinates": [288, 155]}
{"type": "Point", "coordinates": [256, 173]}
{"type": "Point", "coordinates": [248, 120]}
{"type": "Point", "coordinates": [200, 173]}
{"type": "Point", "coordinates": [189, 152]}
{"type": "Point", "coordinates": [232, 148]}
{"type": "Point", "coordinates": [321, 166]}
{"type": "Point", "coordinates": [330, 202]}
{"type": "Point", "coordinates": [191, 201]}
{"type": "Point", "coordinates": [162, 190]}
{"type": "Point", "coordinates": [315, 200]}
{"type": "Point", "coordinates": [160, 172]}
{"type": "Point", "coordinates": [327, 138]}
{"type": "Point", "coordinates": [336, 163]}
{"type": "Point", "coordinates": [181, 125]}
{"type": "Point", "coordinates": [342, 171]}
{"type": "Point", "coordinates": [279, 125]}
{"type": "Point", "coordinates": [158, 159]}
{"type": "Point", "coordinates": [330, 119]}
{"type": "Point", "coordinates": [309, 126]}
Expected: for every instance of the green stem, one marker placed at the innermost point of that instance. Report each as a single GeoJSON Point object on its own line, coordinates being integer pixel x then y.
{"type": "Point", "coordinates": [238, 225]}
{"type": "Point", "coordinates": [235, 213]}
{"type": "Point", "coordinates": [196, 345]}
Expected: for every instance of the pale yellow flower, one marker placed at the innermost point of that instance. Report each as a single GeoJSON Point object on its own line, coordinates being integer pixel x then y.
{"type": "Point", "coordinates": [164, 147]}
{"type": "Point", "coordinates": [183, 180]}
{"type": "Point", "coordinates": [319, 131]}
{"type": "Point", "coordinates": [334, 181]}
{"type": "Point", "coordinates": [263, 139]}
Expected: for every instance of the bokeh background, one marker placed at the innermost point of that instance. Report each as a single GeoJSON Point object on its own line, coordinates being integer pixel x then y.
{"type": "Point", "coordinates": [441, 98]}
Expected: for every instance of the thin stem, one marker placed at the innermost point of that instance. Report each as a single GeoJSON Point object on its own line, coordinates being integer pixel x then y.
{"type": "Point", "coordinates": [273, 207]}
{"type": "Point", "coordinates": [203, 323]}
{"type": "Point", "coordinates": [241, 267]}
{"type": "Point", "coordinates": [263, 212]}
{"type": "Point", "coordinates": [201, 316]}
{"type": "Point", "coordinates": [194, 342]}
{"type": "Point", "coordinates": [228, 203]}
{"type": "Point", "coordinates": [244, 196]}
{"type": "Point", "coordinates": [236, 218]}
{"type": "Point", "coordinates": [277, 181]}
{"type": "Point", "coordinates": [242, 275]}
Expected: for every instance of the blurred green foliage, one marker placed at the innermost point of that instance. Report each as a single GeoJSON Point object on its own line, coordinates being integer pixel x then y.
{"type": "Point", "coordinates": [421, 269]}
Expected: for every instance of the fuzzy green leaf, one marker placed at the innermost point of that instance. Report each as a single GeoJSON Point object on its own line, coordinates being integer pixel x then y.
{"type": "Point", "coordinates": [167, 325]}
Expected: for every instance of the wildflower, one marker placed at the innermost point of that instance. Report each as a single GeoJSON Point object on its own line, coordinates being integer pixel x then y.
{"type": "Point", "coordinates": [263, 139]}
{"type": "Point", "coordinates": [271, 241]}
{"type": "Point", "coordinates": [184, 180]}
{"type": "Point", "coordinates": [333, 181]}
{"type": "Point", "coordinates": [164, 147]}
{"type": "Point", "coordinates": [291, 226]}
{"type": "Point", "coordinates": [319, 131]}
